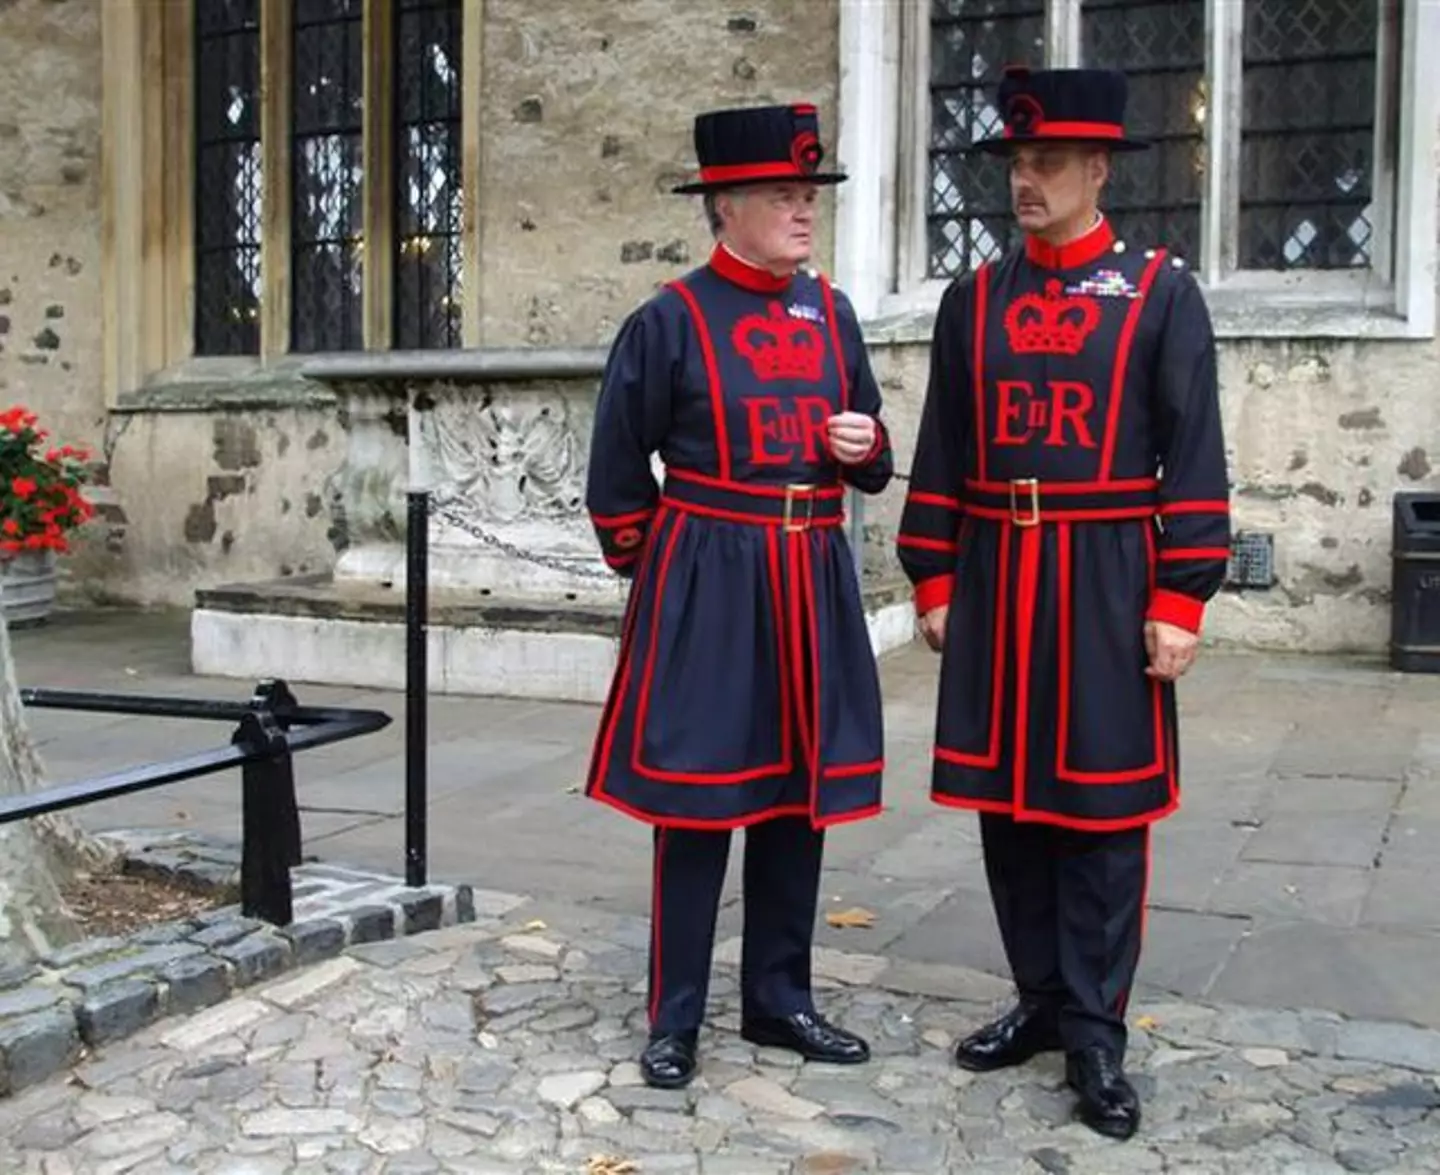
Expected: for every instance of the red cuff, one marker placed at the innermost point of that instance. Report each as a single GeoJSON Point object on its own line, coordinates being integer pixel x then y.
{"type": "Point", "coordinates": [933, 593]}
{"type": "Point", "coordinates": [1176, 608]}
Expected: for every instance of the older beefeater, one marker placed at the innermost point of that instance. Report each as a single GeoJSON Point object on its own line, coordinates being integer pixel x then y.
{"type": "Point", "coordinates": [746, 692]}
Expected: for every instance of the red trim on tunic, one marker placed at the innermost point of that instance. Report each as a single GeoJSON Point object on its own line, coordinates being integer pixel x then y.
{"type": "Point", "coordinates": [923, 544]}
{"type": "Point", "coordinates": [656, 913]}
{"type": "Point", "coordinates": [1220, 507]}
{"type": "Point", "coordinates": [1083, 250]}
{"type": "Point", "coordinates": [933, 593]}
{"type": "Point", "coordinates": [828, 295]}
{"type": "Point", "coordinates": [642, 706]}
{"type": "Point", "coordinates": [1171, 607]}
{"type": "Point", "coordinates": [1179, 554]}
{"type": "Point", "coordinates": [1066, 639]}
{"type": "Point", "coordinates": [746, 274]}
{"type": "Point", "coordinates": [612, 521]}
{"type": "Point", "coordinates": [990, 759]}
{"type": "Point", "coordinates": [921, 498]}
{"type": "Point", "coordinates": [1039, 816]}
{"type": "Point", "coordinates": [620, 683]}
{"type": "Point", "coordinates": [1026, 589]}
{"type": "Point", "coordinates": [619, 562]}
{"type": "Point", "coordinates": [982, 307]}
{"type": "Point", "coordinates": [712, 374]}
{"type": "Point", "coordinates": [1122, 361]}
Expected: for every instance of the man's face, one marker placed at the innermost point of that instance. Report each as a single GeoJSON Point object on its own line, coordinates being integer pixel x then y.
{"type": "Point", "coordinates": [772, 224]}
{"type": "Point", "coordinates": [1053, 184]}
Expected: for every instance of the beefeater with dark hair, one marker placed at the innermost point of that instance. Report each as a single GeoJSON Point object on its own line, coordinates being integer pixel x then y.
{"type": "Point", "coordinates": [746, 692]}
{"type": "Point", "coordinates": [1066, 523]}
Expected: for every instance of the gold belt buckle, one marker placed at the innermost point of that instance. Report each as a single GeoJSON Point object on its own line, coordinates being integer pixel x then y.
{"type": "Point", "coordinates": [1031, 486]}
{"type": "Point", "coordinates": [789, 523]}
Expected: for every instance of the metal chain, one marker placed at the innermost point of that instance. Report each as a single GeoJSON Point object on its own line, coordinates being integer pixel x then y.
{"type": "Point", "coordinates": [442, 510]}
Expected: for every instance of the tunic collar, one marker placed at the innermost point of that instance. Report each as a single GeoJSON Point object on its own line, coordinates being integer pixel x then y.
{"type": "Point", "coordinates": [746, 274]}
{"type": "Point", "coordinates": [1083, 250]}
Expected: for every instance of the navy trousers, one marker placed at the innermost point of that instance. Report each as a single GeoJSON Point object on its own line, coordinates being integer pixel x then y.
{"type": "Point", "coordinates": [1071, 909]}
{"type": "Point", "coordinates": [781, 889]}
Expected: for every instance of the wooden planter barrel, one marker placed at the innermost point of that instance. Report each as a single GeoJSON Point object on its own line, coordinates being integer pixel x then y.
{"type": "Point", "coordinates": [27, 587]}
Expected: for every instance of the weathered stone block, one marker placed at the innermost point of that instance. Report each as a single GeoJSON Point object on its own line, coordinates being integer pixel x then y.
{"type": "Point", "coordinates": [195, 983]}
{"type": "Point", "coordinates": [25, 1000]}
{"type": "Point", "coordinates": [128, 965]}
{"type": "Point", "coordinates": [229, 930]}
{"type": "Point", "coordinates": [311, 941]}
{"type": "Point", "coordinates": [116, 1010]}
{"type": "Point", "coordinates": [35, 1047]}
{"type": "Point", "coordinates": [464, 904]}
{"type": "Point", "coordinates": [83, 952]}
{"type": "Point", "coordinates": [422, 911]}
{"type": "Point", "coordinates": [258, 957]}
{"type": "Point", "coordinates": [371, 924]}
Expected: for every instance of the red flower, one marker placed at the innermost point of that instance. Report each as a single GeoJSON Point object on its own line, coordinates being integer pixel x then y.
{"type": "Point", "coordinates": [23, 487]}
{"type": "Point", "coordinates": [11, 526]}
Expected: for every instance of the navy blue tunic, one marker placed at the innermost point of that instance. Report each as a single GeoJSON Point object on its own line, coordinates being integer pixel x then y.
{"type": "Point", "coordinates": [745, 687]}
{"type": "Point", "coordinates": [1069, 483]}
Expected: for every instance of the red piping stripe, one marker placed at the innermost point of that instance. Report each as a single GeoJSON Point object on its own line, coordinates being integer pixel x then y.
{"type": "Point", "coordinates": [1122, 361]}
{"type": "Point", "coordinates": [991, 758]}
{"type": "Point", "coordinates": [712, 374]}
{"type": "Point", "coordinates": [982, 298]}
{"type": "Point", "coordinates": [829, 297]}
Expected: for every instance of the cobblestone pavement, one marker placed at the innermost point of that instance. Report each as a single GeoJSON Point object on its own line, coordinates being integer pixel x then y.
{"type": "Point", "coordinates": [508, 1045]}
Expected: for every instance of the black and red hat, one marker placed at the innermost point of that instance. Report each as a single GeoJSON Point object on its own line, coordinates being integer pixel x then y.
{"type": "Point", "coordinates": [1061, 105]}
{"type": "Point", "coordinates": [756, 145]}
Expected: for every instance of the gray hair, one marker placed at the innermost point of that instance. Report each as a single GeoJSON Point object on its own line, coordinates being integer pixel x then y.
{"type": "Point", "coordinates": [712, 208]}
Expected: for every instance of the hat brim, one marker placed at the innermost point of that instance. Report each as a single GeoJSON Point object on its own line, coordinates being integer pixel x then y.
{"type": "Point", "coordinates": [1004, 144]}
{"type": "Point", "coordinates": [700, 188]}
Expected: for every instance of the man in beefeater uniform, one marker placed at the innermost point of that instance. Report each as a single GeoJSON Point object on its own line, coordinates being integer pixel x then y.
{"type": "Point", "coordinates": [746, 692]}
{"type": "Point", "coordinates": [1066, 523]}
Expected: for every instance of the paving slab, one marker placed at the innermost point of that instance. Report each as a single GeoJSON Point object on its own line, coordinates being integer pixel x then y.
{"type": "Point", "coordinates": [448, 1056]}
{"type": "Point", "coordinates": [1310, 799]}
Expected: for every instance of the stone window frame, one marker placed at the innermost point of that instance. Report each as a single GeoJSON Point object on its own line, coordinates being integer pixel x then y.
{"type": "Point", "coordinates": [147, 191]}
{"type": "Point", "coordinates": [884, 126]}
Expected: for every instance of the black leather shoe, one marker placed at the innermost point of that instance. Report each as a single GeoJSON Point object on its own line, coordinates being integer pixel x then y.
{"type": "Point", "coordinates": [810, 1035]}
{"type": "Point", "coordinates": [1108, 1102]}
{"type": "Point", "coordinates": [1011, 1040]}
{"type": "Point", "coordinates": [668, 1061]}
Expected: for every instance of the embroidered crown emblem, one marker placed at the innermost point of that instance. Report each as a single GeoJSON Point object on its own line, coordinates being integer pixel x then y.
{"type": "Point", "coordinates": [1055, 324]}
{"type": "Point", "coordinates": [779, 346]}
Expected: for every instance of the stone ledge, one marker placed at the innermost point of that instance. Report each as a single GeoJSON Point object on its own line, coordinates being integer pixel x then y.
{"type": "Point", "coordinates": [475, 365]}
{"type": "Point", "coordinates": [101, 990]}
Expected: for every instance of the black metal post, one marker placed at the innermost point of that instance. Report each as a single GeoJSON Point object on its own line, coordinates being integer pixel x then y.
{"type": "Point", "coordinates": [270, 821]}
{"type": "Point", "coordinates": [417, 590]}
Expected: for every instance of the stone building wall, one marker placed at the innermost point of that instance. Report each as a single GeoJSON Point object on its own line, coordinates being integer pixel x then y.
{"type": "Point", "coordinates": [50, 113]}
{"type": "Point", "coordinates": [586, 126]}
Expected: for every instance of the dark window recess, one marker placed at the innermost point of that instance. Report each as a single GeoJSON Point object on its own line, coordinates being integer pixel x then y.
{"type": "Point", "coordinates": [429, 197]}
{"type": "Point", "coordinates": [328, 176]}
{"type": "Point", "coordinates": [1307, 164]}
{"type": "Point", "coordinates": [967, 199]}
{"type": "Point", "coordinates": [1153, 198]}
{"type": "Point", "coordinates": [227, 177]}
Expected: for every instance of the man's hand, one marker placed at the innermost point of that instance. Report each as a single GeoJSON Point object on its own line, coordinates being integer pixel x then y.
{"type": "Point", "coordinates": [852, 436]}
{"type": "Point", "coordinates": [932, 626]}
{"type": "Point", "coordinates": [1171, 649]}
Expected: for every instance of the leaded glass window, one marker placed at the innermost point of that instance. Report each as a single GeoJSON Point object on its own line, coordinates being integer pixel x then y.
{"type": "Point", "coordinates": [328, 176]}
{"type": "Point", "coordinates": [227, 177]}
{"type": "Point", "coordinates": [968, 218]}
{"type": "Point", "coordinates": [1307, 160]}
{"type": "Point", "coordinates": [1154, 196]}
{"type": "Point", "coordinates": [429, 199]}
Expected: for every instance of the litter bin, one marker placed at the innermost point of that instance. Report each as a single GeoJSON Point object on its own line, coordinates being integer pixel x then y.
{"type": "Point", "coordinates": [1415, 583]}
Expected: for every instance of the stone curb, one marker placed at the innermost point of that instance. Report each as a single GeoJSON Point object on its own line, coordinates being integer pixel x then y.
{"type": "Point", "coordinates": [101, 990]}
